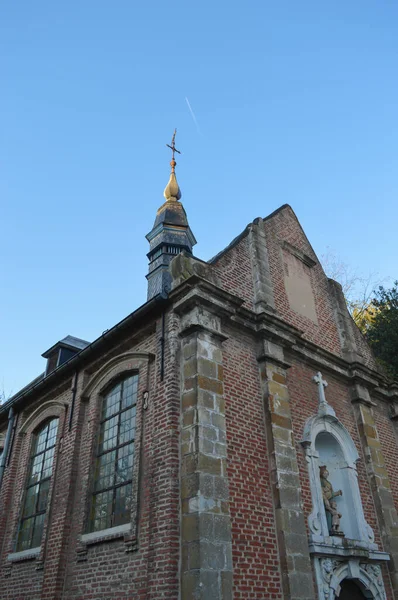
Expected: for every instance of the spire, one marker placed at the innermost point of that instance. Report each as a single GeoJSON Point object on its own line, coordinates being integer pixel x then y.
{"type": "Point", "coordinates": [170, 234]}
{"type": "Point", "coordinates": [172, 190]}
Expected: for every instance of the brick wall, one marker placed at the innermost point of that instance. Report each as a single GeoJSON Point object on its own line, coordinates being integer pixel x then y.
{"type": "Point", "coordinates": [283, 226]}
{"type": "Point", "coordinates": [235, 273]}
{"type": "Point", "coordinates": [254, 543]}
{"type": "Point", "coordinates": [388, 438]}
{"type": "Point", "coordinates": [113, 568]}
{"type": "Point", "coordinates": [304, 404]}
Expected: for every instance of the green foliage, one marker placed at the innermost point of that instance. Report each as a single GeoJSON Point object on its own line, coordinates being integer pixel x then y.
{"type": "Point", "coordinates": [363, 314]}
{"type": "Point", "coordinates": [382, 331]}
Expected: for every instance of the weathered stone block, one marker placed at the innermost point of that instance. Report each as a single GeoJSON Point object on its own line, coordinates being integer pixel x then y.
{"type": "Point", "coordinates": [204, 416]}
{"type": "Point", "coordinates": [288, 480]}
{"type": "Point", "coordinates": [289, 497]}
{"type": "Point", "coordinates": [221, 488]}
{"type": "Point", "coordinates": [190, 528]}
{"type": "Point", "coordinates": [279, 406]}
{"type": "Point", "coordinates": [218, 420]}
{"type": "Point", "coordinates": [212, 385]}
{"type": "Point", "coordinates": [190, 383]}
{"type": "Point", "coordinates": [209, 464]}
{"type": "Point", "coordinates": [222, 528]}
{"type": "Point", "coordinates": [210, 433]}
{"type": "Point", "coordinates": [284, 463]}
{"type": "Point", "coordinates": [279, 378]}
{"type": "Point", "coordinates": [189, 485]}
{"type": "Point", "coordinates": [190, 585]}
{"type": "Point", "coordinates": [189, 348]}
{"type": "Point", "coordinates": [296, 543]}
{"type": "Point", "coordinates": [301, 585]}
{"type": "Point", "coordinates": [281, 421]}
{"type": "Point", "coordinates": [278, 390]}
{"type": "Point", "coordinates": [226, 585]}
{"type": "Point", "coordinates": [206, 524]}
{"type": "Point", "coordinates": [220, 404]}
{"type": "Point", "coordinates": [206, 399]}
{"type": "Point", "coordinates": [190, 368]}
{"type": "Point", "coordinates": [189, 400]}
{"type": "Point", "coordinates": [194, 555]}
{"type": "Point", "coordinates": [188, 418]}
{"type": "Point", "coordinates": [207, 367]}
{"type": "Point", "coordinates": [282, 435]}
{"type": "Point", "coordinates": [209, 586]}
{"type": "Point", "coordinates": [189, 464]}
{"type": "Point", "coordinates": [212, 556]}
{"type": "Point", "coordinates": [369, 431]}
{"type": "Point", "coordinates": [221, 449]}
{"type": "Point", "coordinates": [206, 446]}
{"type": "Point", "coordinates": [207, 485]}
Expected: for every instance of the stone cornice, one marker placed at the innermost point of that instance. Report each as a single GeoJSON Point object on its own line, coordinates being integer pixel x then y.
{"type": "Point", "coordinates": [197, 291]}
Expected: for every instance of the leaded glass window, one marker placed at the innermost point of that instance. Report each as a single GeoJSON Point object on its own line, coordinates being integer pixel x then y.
{"type": "Point", "coordinates": [38, 486]}
{"type": "Point", "coordinates": [112, 497]}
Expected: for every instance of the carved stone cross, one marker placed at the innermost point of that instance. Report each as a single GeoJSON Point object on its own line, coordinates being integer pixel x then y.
{"type": "Point", "coordinates": [322, 384]}
{"type": "Point", "coordinates": [324, 407]}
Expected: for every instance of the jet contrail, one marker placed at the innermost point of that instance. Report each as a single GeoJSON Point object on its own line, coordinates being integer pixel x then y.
{"type": "Point", "coordinates": [193, 116]}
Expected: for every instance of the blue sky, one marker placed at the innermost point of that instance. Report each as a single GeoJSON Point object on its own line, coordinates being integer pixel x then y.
{"type": "Point", "coordinates": [296, 102]}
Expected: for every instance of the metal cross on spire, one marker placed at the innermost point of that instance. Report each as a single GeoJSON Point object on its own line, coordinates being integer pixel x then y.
{"type": "Point", "coordinates": [172, 190]}
{"type": "Point", "coordinates": [173, 146]}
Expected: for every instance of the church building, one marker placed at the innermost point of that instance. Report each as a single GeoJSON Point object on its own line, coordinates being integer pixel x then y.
{"type": "Point", "coordinates": [233, 438]}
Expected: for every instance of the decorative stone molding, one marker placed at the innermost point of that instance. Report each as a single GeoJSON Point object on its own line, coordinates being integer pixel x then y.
{"type": "Point", "coordinates": [297, 576]}
{"type": "Point", "coordinates": [331, 573]}
{"type": "Point", "coordinates": [206, 539]}
{"type": "Point", "coordinates": [45, 410]}
{"type": "Point", "coordinates": [344, 323]}
{"type": "Point", "coordinates": [262, 282]}
{"type": "Point", "coordinates": [380, 486]}
{"type": "Point", "coordinates": [184, 266]}
{"type": "Point", "coordinates": [326, 422]}
{"type": "Point", "coordinates": [114, 367]}
{"type": "Point", "coordinates": [307, 260]}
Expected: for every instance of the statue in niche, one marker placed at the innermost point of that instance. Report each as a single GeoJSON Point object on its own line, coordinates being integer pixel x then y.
{"type": "Point", "coordinates": [330, 505]}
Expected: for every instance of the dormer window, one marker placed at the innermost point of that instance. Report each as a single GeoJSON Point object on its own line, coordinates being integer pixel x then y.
{"type": "Point", "coordinates": [63, 351]}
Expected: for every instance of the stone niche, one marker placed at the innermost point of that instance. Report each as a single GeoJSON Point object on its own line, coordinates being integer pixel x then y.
{"type": "Point", "coordinates": [342, 474]}
{"type": "Point", "coordinates": [327, 442]}
{"type": "Point", "coordinates": [352, 553]}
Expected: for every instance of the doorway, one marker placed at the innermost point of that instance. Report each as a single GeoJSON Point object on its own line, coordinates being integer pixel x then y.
{"type": "Point", "coordinates": [350, 591]}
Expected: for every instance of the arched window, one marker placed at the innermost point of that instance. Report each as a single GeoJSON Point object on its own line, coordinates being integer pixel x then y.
{"type": "Point", "coordinates": [38, 486]}
{"type": "Point", "coordinates": [112, 495]}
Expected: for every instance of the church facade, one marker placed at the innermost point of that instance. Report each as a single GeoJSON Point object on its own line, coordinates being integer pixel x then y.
{"type": "Point", "coordinates": [232, 438]}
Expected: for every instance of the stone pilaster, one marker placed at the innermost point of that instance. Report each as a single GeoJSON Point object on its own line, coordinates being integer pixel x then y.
{"type": "Point", "coordinates": [295, 560]}
{"type": "Point", "coordinates": [380, 483]}
{"type": "Point", "coordinates": [206, 549]}
{"type": "Point", "coordinates": [344, 323]}
{"type": "Point", "coordinates": [262, 284]}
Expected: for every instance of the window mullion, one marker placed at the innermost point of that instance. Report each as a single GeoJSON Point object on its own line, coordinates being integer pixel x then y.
{"type": "Point", "coordinates": [35, 514]}
{"type": "Point", "coordinates": [106, 511]}
{"type": "Point", "coordinates": [117, 452]}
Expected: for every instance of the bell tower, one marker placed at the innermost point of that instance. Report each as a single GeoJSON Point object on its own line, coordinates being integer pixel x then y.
{"type": "Point", "coordinates": [170, 234]}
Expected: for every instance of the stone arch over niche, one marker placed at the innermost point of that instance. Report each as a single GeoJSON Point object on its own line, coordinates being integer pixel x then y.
{"type": "Point", "coordinates": [327, 442]}
{"type": "Point", "coordinates": [339, 577]}
{"type": "Point", "coordinates": [351, 591]}
{"type": "Point", "coordinates": [342, 471]}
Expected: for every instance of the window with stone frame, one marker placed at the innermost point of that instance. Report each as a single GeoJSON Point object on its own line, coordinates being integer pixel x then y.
{"type": "Point", "coordinates": [113, 476]}
{"type": "Point", "coordinates": [38, 486]}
